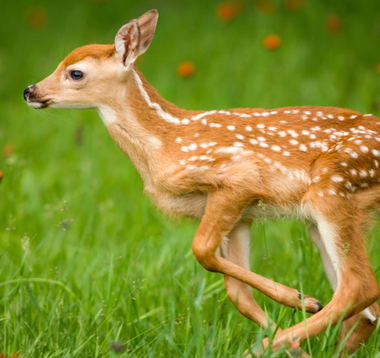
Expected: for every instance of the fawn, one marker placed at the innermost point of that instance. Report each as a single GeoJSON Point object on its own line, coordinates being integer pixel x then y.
{"type": "Point", "coordinates": [320, 164]}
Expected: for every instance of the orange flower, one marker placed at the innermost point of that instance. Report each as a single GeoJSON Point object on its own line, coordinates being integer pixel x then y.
{"type": "Point", "coordinates": [8, 151]}
{"type": "Point", "coordinates": [36, 17]}
{"type": "Point", "coordinates": [271, 42]}
{"type": "Point", "coordinates": [293, 4]}
{"type": "Point", "coordinates": [225, 12]}
{"type": "Point", "coordinates": [334, 24]}
{"type": "Point", "coordinates": [265, 6]}
{"type": "Point", "coordinates": [186, 69]}
{"type": "Point", "coordinates": [228, 10]}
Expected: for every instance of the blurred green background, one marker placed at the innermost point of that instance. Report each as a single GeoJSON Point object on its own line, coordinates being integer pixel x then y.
{"type": "Point", "coordinates": [88, 267]}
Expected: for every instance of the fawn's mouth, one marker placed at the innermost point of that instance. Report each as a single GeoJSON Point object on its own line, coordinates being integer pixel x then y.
{"type": "Point", "coordinates": [33, 99]}
{"type": "Point", "coordinates": [39, 104]}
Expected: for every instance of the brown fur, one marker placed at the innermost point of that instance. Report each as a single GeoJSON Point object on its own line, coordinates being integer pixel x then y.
{"type": "Point", "coordinates": [228, 168]}
{"type": "Point", "coordinates": [98, 52]}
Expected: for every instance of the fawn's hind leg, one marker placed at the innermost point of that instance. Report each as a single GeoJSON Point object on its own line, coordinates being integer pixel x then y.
{"type": "Point", "coordinates": [341, 223]}
{"type": "Point", "coordinates": [368, 317]}
{"type": "Point", "coordinates": [367, 323]}
{"type": "Point", "coordinates": [331, 274]}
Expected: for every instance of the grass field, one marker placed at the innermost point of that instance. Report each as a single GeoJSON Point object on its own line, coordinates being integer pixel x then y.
{"type": "Point", "coordinates": [88, 266]}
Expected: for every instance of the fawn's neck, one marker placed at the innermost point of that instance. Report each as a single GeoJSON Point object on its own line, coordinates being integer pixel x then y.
{"type": "Point", "coordinates": [141, 122]}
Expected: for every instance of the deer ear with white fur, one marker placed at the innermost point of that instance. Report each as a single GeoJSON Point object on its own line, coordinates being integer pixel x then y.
{"type": "Point", "coordinates": [127, 43]}
{"type": "Point", "coordinates": [134, 38]}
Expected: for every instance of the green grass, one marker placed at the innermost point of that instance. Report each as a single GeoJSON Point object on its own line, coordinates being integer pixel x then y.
{"type": "Point", "coordinates": [86, 261]}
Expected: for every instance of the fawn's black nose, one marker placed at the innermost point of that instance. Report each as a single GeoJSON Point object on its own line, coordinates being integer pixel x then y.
{"type": "Point", "coordinates": [28, 91]}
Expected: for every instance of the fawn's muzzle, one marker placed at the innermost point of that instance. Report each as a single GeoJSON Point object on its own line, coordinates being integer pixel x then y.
{"type": "Point", "coordinates": [28, 91]}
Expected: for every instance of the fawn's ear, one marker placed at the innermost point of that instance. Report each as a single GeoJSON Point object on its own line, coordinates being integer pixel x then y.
{"type": "Point", "coordinates": [127, 43]}
{"type": "Point", "coordinates": [134, 38]}
{"type": "Point", "coordinates": [147, 24]}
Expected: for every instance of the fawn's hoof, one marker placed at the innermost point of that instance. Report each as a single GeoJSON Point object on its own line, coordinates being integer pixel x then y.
{"type": "Point", "coordinates": [311, 304]}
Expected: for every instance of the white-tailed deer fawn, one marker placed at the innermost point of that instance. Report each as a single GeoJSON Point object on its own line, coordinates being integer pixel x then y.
{"type": "Point", "coordinates": [320, 164]}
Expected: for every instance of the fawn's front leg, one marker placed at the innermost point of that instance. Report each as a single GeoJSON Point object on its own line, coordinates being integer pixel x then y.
{"type": "Point", "coordinates": [223, 211]}
{"type": "Point", "coordinates": [236, 249]}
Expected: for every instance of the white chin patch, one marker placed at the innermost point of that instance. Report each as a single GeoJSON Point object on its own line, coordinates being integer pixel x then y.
{"type": "Point", "coordinates": [35, 104]}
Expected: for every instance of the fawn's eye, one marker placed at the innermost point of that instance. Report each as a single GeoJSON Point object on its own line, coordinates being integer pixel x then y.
{"type": "Point", "coordinates": [76, 75]}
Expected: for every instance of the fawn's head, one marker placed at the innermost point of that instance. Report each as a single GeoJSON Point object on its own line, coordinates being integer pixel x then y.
{"type": "Point", "coordinates": [89, 76]}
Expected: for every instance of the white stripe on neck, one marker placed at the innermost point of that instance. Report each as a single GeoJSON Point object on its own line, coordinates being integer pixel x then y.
{"type": "Point", "coordinates": [166, 116]}
{"type": "Point", "coordinates": [170, 119]}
